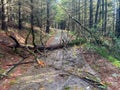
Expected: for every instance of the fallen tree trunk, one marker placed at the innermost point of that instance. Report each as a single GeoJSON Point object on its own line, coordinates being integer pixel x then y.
{"type": "Point", "coordinates": [38, 47]}
{"type": "Point", "coordinates": [51, 47]}
{"type": "Point", "coordinates": [41, 48]}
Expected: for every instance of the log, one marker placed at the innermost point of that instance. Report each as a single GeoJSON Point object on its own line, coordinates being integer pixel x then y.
{"type": "Point", "coordinates": [38, 47]}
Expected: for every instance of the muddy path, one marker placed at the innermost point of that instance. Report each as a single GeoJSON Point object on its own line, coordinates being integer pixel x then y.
{"type": "Point", "coordinates": [62, 71]}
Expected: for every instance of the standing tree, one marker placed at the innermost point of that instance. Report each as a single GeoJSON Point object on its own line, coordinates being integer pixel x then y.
{"type": "Point", "coordinates": [85, 12]}
{"type": "Point", "coordinates": [118, 21]}
{"type": "Point", "coordinates": [79, 16]}
{"type": "Point", "coordinates": [91, 14]}
{"type": "Point", "coordinates": [96, 15]}
{"type": "Point", "coordinates": [32, 24]}
{"type": "Point", "coordinates": [105, 22]}
{"type": "Point", "coordinates": [19, 16]}
{"type": "Point", "coordinates": [103, 12]}
{"type": "Point", "coordinates": [48, 17]}
{"type": "Point", "coordinates": [4, 15]}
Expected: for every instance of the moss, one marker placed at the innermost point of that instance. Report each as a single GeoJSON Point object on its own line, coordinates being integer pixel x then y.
{"type": "Point", "coordinates": [1, 70]}
{"type": "Point", "coordinates": [106, 54]}
{"type": "Point", "coordinates": [12, 82]}
{"type": "Point", "coordinates": [102, 51]}
{"type": "Point", "coordinates": [114, 61]}
{"type": "Point", "coordinates": [1, 55]}
{"type": "Point", "coordinates": [77, 42]}
{"type": "Point", "coordinates": [67, 88]}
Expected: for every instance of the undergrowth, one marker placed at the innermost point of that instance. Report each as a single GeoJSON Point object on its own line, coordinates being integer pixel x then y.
{"type": "Point", "coordinates": [105, 53]}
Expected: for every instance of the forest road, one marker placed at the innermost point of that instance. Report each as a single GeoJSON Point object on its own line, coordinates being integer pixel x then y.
{"type": "Point", "coordinates": [62, 71]}
{"type": "Point", "coordinates": [60, 37]}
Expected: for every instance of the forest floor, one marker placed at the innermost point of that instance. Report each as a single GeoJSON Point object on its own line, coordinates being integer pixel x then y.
{"type": "Point", "coordinates": [61, 71]}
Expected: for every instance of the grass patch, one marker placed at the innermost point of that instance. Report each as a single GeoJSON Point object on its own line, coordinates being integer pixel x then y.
{"type": "Point", "coordinates": [2, 55]}
{"type": "Point", "coordinates": [67, 88]}
{"type": "Point", "coordinates": [12, 82]}
{"type": "Point", "coordinates": [115, 61]}
{"type": "Point", "coordinates": [105, 53]}
{"type": "Point", "coordinates": [1, 70]}
{"type": "Point", "coordinates": [77, 42]}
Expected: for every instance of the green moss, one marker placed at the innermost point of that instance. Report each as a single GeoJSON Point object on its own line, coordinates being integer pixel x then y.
{"type": "Point", "coordinates": [114, 61]}
{"type": "Point", "coordinates": [105, 53]}
{"type": "Point", "coordinates": [67, 88]}
{"type": "Point", "coordinates": [1, 70]}
{"type": "Point", "coordinates": [12, 82]}
{"type": "Point", "coordinates": [102, 51]}
{"type": "Point", "coordinates": [1, 55]}
{"type": "Point", "coordinates": [77, 42]}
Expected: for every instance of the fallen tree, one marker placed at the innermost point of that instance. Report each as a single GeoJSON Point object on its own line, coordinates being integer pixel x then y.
{"type": "Point", "coordinates": [37, 47]}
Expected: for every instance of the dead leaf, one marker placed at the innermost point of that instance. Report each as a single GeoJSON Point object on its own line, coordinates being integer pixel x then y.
{"type": "Point", "coordinates": [41, 63]}
{"type": "Point", "coordinates": [42, 88]}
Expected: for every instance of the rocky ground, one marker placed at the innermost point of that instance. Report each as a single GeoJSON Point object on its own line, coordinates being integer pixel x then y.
{"type": "Point", "coordinates": [55, 76]}
{"type": "Point", "coordinates": [64, 70]}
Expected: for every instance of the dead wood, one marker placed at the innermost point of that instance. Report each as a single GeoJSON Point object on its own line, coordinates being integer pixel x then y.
{"type": "Point", "coordinates": [10, 69]}
{"type": "Point", "coordinates": [92, 82]}
{"type": "Point", "coordinates": [21, 63]}
{"type": "Point", "coordinates": [38, 47]}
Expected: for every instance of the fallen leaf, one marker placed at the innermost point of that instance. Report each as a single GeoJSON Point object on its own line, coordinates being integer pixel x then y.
{"type": "Point", "coordinates": [41, 63]}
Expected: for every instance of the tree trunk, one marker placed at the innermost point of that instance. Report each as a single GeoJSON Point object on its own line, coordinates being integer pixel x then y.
{"type": "Point", "coordinates": [4, 15]}
{"type": "Point", "coordinates": [103, 13]}
{"type": "Point", "coordinates": [48, 17]}
{"type": "Point", "coordinates": [105, 23]}
{"type": "Point", "coordinates": [85, 13]}
{"type": "Point", "coordinates": [96, 15]}
{"type": "Point", "coordinates": [118, 23]}
{"type": "Point", "coordinates": [79, 16]}
{"type": "Point", "coordinates": [19, 12]}
{"type": "Point", "coordinates": [32, 24]}
{"type": "Point", "coordinates": [72, 13]}
{"type": "Point", "coordinates": [100, 12]}
{"type": "Point", "coordinates": [91, 14]}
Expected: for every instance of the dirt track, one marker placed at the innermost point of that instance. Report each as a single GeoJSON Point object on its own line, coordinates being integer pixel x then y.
{"type": "Point", "coordinates": [54, 75]}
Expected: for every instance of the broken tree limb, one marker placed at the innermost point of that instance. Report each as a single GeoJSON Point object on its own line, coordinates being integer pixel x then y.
{"type": "Point", "coordinates": [11, 68]}
{"type": "Point", "coordinates": [21, 63]}
{"type": "Point", "coordinates": [38, 47]}
{"type": "Point", "coordinates": [14, 39]}
{"type": "Point", "coordinates": [17, 44]}
{"type": "Point", "coordinates": [97, 40]}
{"type": "Point", "coordinates": [41, 63]}
{"type": "Point", "coordinates": [85, 78]}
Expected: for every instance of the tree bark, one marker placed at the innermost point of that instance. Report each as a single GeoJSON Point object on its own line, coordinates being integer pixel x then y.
{"type": "Point", "coordinates": [32, 24]}
{"type": "Point", "coordinates": [79, 16]}
{"type": "Point", "coordinates": [103, 14]}
{"type": "Point", "coordinates": [19, 11]}
{"type": "Point", "coordinates": [91, 14]}
{"type": "Point", "coordinates": [4, 15]}
{"type": "Point", "coordinates": [105, 23]}
{"type": "Point", "coordinates": [96, 15]}
{"type": "Point", "coordinates": [85, 13]}
{"type": "Point", "coordinates": [48, 17]}
{"type": "Point", "coordinates": [117, 31]}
